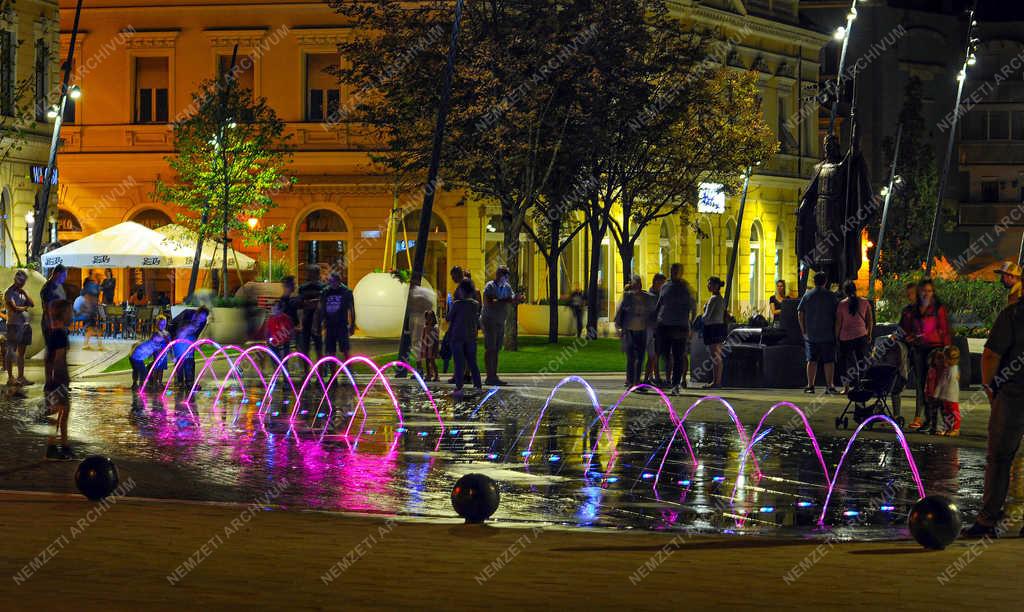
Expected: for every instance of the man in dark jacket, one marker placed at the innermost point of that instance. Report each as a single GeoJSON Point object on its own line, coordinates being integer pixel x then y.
{"type": "Point", "coordinates": [672, 314]}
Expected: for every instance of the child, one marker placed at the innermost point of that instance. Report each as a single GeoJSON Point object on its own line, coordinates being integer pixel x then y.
{"type": "Point", "coordinates": [57, 392]}
{"type": "Point", "coordinates": [429, 345]}
{"type": "Point", "coordinates": [150, 348]}
{"type": "Point", "coordinates": [936, 374]}
{"type": "Point", "coordinates": [949, 391]}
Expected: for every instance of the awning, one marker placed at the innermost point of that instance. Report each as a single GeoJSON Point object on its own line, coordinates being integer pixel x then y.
{"type": "Point", "coordinates": [183, 241]}
{"type": "Point", "coordinates": [125, 245]}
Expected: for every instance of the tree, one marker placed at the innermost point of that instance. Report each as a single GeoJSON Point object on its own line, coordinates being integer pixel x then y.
{"type": "Point", "coordinates": [507, 116]}
{"type": "Point", "coordinates": [230, 158]}
{"type": "Point", "coordinates": [911, 205]}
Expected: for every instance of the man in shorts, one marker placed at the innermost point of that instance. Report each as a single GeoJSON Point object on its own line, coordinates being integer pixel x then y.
{"type": "Point", "coordinates": [19, 331]}
{"type": "Point", "coordinates": [817, 315]}
{"type": "Point", "coordinates": [338, 313]}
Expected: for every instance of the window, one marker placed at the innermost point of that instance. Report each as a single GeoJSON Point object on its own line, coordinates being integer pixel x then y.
{"type": "Point", "coordinates": [6, 72]}
{"type": "Point", "coordinates": [975, 125]}
{"type": "Point", "coordinates": [787, 141]}
{"type": "Point", "coordinates": [780, 253]}
{"type": "Point", "coordinates": [323, 241]}
{"type": "Point", "coordinates": [756, 265]}
{"type": "Point", "coordinates": [42, 79]}
{"type": "Point", "coordinates": [151, 78]}
{"type": "Point", "coordinates": [323, 97]}
{"type": "Point", "coordinates": [990, 191]}
{"type": "Point", "coordinates": [998, 125]}
{"type": "Point", "coordinates": [1018, 125]}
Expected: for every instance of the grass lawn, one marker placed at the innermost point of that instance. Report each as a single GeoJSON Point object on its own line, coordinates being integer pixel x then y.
{"type": "Point", "coordinates": [570, 355]}
{"type": "Point", "coordinates": [535, 354]}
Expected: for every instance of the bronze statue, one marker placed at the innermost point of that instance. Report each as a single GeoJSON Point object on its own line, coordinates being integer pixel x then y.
{"type": "Point", "coordinates": [833, 212]}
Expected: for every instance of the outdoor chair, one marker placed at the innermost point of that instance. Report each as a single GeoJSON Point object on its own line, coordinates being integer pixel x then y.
{"type": "Point", "coordinates": [114, 323]}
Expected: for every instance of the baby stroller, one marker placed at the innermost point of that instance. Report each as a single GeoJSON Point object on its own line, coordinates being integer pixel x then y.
{"type": "Point", "coordinates": [870, 396]}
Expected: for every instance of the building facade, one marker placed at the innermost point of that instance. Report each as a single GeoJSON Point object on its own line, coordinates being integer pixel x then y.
{"type": "Point", "coordinates": [29, 82]}
{"type": "Point", "coordinates": [141, 63]}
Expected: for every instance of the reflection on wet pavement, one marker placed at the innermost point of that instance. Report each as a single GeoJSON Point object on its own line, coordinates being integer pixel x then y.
{"type": "Point", "coordinates": [230, 454]}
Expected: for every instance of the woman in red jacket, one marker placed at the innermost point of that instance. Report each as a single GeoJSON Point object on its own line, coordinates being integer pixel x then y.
{"type": "Point", "coordinates": [927, 328]}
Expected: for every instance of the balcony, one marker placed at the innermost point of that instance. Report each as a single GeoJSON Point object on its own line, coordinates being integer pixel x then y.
{"type": "Point", "coordinates": [1001, 152]}
{"type": "Point", "coordinates": [990, 214]}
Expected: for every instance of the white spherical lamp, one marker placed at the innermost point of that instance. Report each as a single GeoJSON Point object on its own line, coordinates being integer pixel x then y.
{"type": "Point", "coordinates": [380, 304]}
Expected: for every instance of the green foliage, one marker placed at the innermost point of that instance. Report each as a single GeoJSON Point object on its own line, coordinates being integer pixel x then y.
{"type": "Point", "coordinates": [912, 205]}
{"type": "Point", "coordinates": [972, 305]}
{"type": "Point", "coordinates": [402, 275]}
{"type": "Point", "coordinates": [279, 269]}
{"type": "Point", "coordinates": [231, 302]}
{"type": "Point", "coordinates": [230, 161]}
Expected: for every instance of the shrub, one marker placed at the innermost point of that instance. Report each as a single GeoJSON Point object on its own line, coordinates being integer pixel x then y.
{"type": "Point", "coordinates": [972, 304]}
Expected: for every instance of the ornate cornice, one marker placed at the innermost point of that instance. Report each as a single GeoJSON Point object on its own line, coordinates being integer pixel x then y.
{"type": "Point", "coordinates": [229, 38]}
{"type": "Point", "coordinates": [782, 32]}
{"type": "Point", "coordinates": [164, 39]}
{"type": "Point", "coordinates": [322, 37]}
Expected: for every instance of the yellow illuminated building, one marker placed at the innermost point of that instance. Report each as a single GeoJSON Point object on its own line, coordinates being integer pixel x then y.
{"type": "Point", "coordinates": [29, 82]}
{"type": "Point", "coordinates": [143, 61]}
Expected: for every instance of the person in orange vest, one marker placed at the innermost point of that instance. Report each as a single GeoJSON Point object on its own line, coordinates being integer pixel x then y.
{"type": "Point", "coordinates": [1009, 274]}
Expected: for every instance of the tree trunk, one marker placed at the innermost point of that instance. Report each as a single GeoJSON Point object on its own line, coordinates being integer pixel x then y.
{"type": "Point", "coordinates": [593, 310]}
{"type": "Point", "coordinates": [626, 250]}
{"type": "Point", "coordinates": [552, 261]}
{"type": "Point", "coordinates": [512, 247]}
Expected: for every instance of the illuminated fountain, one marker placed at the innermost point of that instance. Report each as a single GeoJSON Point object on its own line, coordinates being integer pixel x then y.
{"type": "Point", "coordinates": [312, 422]}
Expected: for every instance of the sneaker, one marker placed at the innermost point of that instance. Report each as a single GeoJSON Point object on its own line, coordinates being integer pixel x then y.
{"type": "Point", "coordinates": [953, 433]}
{"type": "Point", "coordinates": [809, 390]}
{"type": "Point", "coordinates": [675, 390]}
{"type": "Point", "coordinates": [24, 382]}
{"type": "Point", "coordinates": [916, 424]}
{"type": "Point", "coordinates": [978, 531]}
{"type": "Point", "coordinates": [831, 391]}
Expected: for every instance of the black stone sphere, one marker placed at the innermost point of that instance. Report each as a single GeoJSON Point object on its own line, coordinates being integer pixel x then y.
{"type": "Point", "coordinates": [475, 497]}
{"type": "Point", "coordinates": [934, 522]}
{"type": "Point", "coordinates": [96, 477]}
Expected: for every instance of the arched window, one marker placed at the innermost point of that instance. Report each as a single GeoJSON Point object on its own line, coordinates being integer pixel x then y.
{"type": "Point", "coordinates": [780, 254]}
{"type": "Point", "coordinates": [704, 251]}
{"type": "Point", "coordinates": [756, 265]}
{"type": "Point", "coordinates": [730, 239]}
{"type": "Point", "coordinates": [435, 268]}
{"type": "Point", "coordinates": [152, 218]}
{"type": "Point", "coordinates": [6, 205]}
{"type": "Point", "coordinates": [323, 241]}
{"type": "Point", "coordinates": [67, 228]}
{"type": "Point", "coordinates": [664, 248]}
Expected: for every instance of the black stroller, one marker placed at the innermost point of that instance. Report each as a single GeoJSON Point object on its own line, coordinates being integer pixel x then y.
{"type": "Point", "coordinates": [870, 396]}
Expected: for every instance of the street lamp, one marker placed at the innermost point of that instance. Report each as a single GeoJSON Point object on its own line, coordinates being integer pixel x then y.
{"type": "Point", "coordinates": [253, 224]}
{"type": "Point", "coordinates": [75, 92]}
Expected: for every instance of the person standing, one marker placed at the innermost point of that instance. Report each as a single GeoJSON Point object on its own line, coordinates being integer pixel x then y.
{"type": "Point", "coordinates": [309, 327]}
{"type": "Point", "coordinates": [289, 305]}
{"type": "Point", "coordinates": [672, 314]}
{"type": "Point", "coordinates": [854, 325]}
{"type": "Point", "coordinates": [51, 293]}
{"type": "Point", "coordinates": [187, 327]}
{"type": "Point", "coordinates": [577, 302]}
{"type": "Point", "coordinates": [57, 392]}
{"type": "Point", "coordinates": [631, 319]}
{"type": "Point", "coordinates": [19, 329]}
{"type": "Point", "coordinates": [108, 286]}
{"type": "Point", "coordinates": [777, 300]}
{"type": "Point", "coordinates": [1009, 275]}
{"type": "Point", "coordinates": [499, 298]}
{"type": "Point", "coordinates": [1002, 378]}
{"type": "Point", "coordinates": [463, 321]}
{"type": "Point", "coordinates": [926, 329]}
{"type": "Point", "coordinates": [429, 343]}
{"type": "Point", "coordinates": [421, 299]}
{"type": "Point", "coordinates": [338, 313]}
{"type": "Point", "coordinates": [652, 371]}
{"type": "Point", "coordinates": [714, 329]}
{"type": "Point", "coordinates": [817, 315]}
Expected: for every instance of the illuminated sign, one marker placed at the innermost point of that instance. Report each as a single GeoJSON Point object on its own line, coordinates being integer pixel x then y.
{"type": "Point", "coordinates": [38, 172]}
{"type": "Point", "coordinates": [711, 198]}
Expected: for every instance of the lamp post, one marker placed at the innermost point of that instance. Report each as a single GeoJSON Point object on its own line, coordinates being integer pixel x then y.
{"type": "Point", "coordinates": [969, 60]}
{"type": "Point", "coordinates": [842, 33]}
{"type": "Point", "coordinates": [56, 113]}
{"type": "Point", "coordinates": [253, 224]}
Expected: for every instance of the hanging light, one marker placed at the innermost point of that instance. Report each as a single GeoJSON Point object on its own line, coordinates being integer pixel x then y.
{"type": "Point", "coordinates": [75, 92]}
{"type": "Point", "coordinates": [852, 14]}
{"type": "Point", "coordinates": [962, 75]}
{"type": "Point", "coordinates": [972, 60]}
{"type": "Point", "coordinates": [840, 33]}
{"type": "Point", "coordinates": [52, 112]}
{"type": "Point", "coordinates": [885, 190]}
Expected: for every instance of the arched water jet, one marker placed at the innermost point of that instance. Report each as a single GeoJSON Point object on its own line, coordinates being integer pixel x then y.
{"type": "Point", "coordinates": [842, 459]}
{"type": "Point", "coordinates": [594, 402]}
{"type": "Point", "coordinates": [754, 438]}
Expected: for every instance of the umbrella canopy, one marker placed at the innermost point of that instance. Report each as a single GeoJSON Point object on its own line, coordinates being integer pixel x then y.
{"type": "Point", "coordinates": [125, 245]}
{"type": "Point", "coordinates": [183, 241]}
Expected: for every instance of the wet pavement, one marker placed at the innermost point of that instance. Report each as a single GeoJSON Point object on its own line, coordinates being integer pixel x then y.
{"type": "Point", "coordinates": [575, 473]}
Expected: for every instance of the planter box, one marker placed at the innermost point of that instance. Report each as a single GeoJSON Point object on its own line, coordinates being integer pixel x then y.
{"type": "Point", "coordinates": [227, 326]}
{"type": "Point", "coordinates": [533, 320]}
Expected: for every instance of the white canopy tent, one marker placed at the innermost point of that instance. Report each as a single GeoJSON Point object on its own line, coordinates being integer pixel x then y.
{"type": "Point", "coordinates": [183, 241]}
{"type": "Point", "coordinates": [125, 245]}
